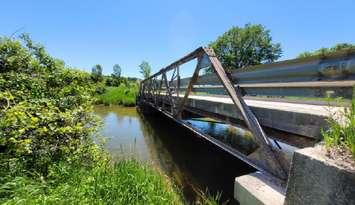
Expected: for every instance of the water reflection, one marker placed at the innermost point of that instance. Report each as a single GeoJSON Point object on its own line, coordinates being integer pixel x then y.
{"type": "Point", "coordinates": [191, 162]}
{"type": "Point", "coordinates": [237, 137]}
{"type": "Point", "coordinates": [122, 128]}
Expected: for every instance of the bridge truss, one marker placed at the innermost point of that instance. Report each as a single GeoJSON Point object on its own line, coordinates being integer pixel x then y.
{"type": "Point", "coordinates": [163, 92]}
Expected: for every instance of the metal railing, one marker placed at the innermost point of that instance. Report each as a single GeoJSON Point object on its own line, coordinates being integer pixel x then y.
{"type": "Point", "coordinates": [316, 77]}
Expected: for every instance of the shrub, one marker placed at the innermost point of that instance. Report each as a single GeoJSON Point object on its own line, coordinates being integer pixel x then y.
{"type": "Point", "coordinates": [45, 107]}
{"type": "Point", "coordinates": [327, 51]}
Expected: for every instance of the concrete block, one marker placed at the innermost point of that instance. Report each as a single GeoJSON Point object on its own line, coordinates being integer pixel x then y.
{"type": "Point", "coordinates": [258, 189]}
{"type": "Point", "coordinates": [315, 179]}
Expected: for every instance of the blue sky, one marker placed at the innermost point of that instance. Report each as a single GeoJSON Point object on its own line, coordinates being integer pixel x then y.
{"type": "Point", "coordinates": [84, 33]}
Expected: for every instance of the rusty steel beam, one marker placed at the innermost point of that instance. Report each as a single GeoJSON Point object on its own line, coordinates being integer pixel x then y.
{"type": "Point", "coordinates": [178, 81]}
{"type": "Point", "coordinates": [189, 88]}
{"type": "Point", "coordinates": [252, 122]}
{"type": "Point", "coordinates": [168, 93]}
{"type": "Point", "coordinates": [179, 62]}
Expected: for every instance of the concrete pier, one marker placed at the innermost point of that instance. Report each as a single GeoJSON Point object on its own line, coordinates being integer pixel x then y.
{"type": "Point", "coordinates": [314, 179]}
{"type": "Point", "coordinates": [258, 189]}
{"type": "Point", "coordinates": [317, 180]}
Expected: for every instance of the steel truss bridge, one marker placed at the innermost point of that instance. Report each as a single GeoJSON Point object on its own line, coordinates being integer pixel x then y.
{"type": "Point", "coordinates": [278, 103]}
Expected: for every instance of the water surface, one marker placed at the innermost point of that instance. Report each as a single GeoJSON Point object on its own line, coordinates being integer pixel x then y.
{"type": "Point", "coordinates": [192, 163]}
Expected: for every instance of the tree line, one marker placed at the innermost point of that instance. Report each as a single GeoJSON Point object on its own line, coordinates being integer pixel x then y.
{"type": "Point", "coordinates": [116, 78]}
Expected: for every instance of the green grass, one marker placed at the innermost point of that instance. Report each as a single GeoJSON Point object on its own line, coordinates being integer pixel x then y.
{"type": "Point", "coordinates": [127, 182]}
{"type": "Point", "coordinates": [122, 95]}
{"type": "Point", "coordinates": [342, 135]}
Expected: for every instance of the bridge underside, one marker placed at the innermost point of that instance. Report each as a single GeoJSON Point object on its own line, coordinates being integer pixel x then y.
{"type": "Point", "coordinates": [251, 159]}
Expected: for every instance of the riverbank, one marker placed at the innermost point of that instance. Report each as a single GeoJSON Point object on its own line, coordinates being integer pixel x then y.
{"type": "Point", "coordinates": [124, 95]}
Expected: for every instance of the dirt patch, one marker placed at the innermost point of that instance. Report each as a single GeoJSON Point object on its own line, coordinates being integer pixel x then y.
{"type": "Point", "coordinates": [340, 156]}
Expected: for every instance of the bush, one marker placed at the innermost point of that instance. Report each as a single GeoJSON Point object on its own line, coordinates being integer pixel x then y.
{"type": "Point", "coordinates": [327, 51]}
{"type": "Point", "coordinates": [45, 107]}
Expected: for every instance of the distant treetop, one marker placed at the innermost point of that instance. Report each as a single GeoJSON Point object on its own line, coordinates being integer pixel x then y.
{"type": "Point", "coordinates": [96, 73]}
{"type": "Point", "coordinates": [117, 71]}
{"type": "Point", "coordinates": [245, 46]}
{"type": "Point", "coordinates": [145, 69]}
{"type": "Point", "coordinates": [325, 51]}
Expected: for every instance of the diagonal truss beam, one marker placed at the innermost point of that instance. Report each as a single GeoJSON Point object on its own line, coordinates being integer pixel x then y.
{"type": "Point", "coordinates": [273, 164]}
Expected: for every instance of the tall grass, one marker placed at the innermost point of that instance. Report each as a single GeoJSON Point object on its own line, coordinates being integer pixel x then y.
{"type": "Point", "coordinates": [342, 135]}
{"type": "Point", "coordinates": [126, 182]}
{"type": "Point", "coordinates": [122, 95]}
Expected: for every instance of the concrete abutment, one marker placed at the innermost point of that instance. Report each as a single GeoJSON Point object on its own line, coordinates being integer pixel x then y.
{"type": "Point", "coordinates": [314, 179]}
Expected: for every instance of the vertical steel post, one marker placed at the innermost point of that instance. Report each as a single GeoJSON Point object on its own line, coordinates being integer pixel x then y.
{"type": "Point", "coordinates": [189, 88]}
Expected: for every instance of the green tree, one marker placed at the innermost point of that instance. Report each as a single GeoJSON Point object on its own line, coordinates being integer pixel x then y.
{"type": "Point", "coordinates": [96, 73]}
{"type": "Point", "coordinates": [240, 47]}
{"type": "Point", "coordinates": [145, 69]}
{"type": "Point", "coordinates": [327, 51]}
{"type": "Point", "coordinates": [117, 71]}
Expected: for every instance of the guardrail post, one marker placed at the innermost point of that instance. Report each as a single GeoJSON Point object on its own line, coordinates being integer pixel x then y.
{"type": "Point", "coordinates": [178, 82]}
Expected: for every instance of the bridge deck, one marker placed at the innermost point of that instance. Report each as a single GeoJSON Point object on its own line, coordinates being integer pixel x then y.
{"type": "Point", "coordinates": [297, 118]}
{"type": "Point", "coordinates": [319, 110]}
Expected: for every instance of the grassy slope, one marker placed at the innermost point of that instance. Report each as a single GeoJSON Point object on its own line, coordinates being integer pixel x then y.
{"type": "Point", "coordinates": [122, 95]}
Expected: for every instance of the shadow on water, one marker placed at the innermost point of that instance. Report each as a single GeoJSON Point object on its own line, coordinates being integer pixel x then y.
{"type": "Point", "coordinates": [191, 162]}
